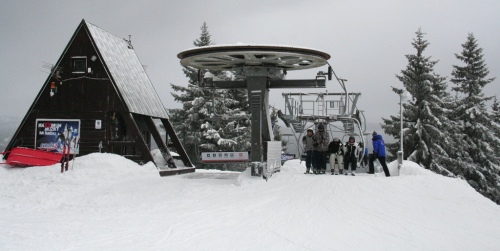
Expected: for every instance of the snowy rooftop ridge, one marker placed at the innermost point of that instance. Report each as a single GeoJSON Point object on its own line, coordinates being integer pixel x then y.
{"type": "Point", "coordinates": [128, 73]}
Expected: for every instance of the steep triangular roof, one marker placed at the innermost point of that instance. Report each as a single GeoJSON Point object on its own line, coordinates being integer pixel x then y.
{"type": "Point", "coordinates": [127, 73]}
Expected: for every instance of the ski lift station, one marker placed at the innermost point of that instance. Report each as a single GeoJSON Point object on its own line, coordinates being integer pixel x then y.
{"type": "Point", "coordinates": [260, 68]}
{"type": "Point", "coordinates": [98, 98]}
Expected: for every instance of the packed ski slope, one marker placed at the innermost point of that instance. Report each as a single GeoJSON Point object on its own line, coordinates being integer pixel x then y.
{"type": "Point", "coordinates": [109, 203]}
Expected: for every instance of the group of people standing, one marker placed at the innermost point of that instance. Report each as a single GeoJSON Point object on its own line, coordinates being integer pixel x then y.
{"type": "Point", "coordinates": [317, 147]}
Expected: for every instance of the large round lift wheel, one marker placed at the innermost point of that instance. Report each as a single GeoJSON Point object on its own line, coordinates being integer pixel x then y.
{"type": "Point", "coordinates": [229, 57]}
{"type": "Point", "coordinates": [258, 66]}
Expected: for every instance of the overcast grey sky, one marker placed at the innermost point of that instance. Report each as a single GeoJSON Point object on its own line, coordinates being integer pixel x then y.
{"type": "Point", "coordinates": [368, 40]}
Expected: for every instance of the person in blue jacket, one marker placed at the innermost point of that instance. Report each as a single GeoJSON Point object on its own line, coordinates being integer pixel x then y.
{"type": "Point", "coordinates": [378, 153]}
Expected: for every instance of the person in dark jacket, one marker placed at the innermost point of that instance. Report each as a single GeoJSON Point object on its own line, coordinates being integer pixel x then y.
{"type": "Point", "coordinates": [378, 153]}
{"type": "Point", "coordinates": [336, 151]}
{"type": "Point", "coordinates": [321, 140]}
{"type": "Point", "coordinates": [351, 151]}
{"type": "Point", "coordinates": [364, 156]}
{"type": "Point", "coordinates": [308, 141]}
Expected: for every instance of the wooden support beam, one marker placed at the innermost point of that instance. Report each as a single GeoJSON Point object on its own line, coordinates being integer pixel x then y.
{"type": "Point", "coordinates": [176, 142]}
{"type": "Point", "coordinates": [136, 133]}
{"type": "Point", "coordinates": [159, 141]}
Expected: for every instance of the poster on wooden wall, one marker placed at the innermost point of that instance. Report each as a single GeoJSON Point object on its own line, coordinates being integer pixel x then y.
{"type": "Point", "coordinates": [54, 134]}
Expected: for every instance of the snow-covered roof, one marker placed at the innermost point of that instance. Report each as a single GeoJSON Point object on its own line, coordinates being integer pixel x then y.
{"type": "Point", "coordinates": [127, 73]}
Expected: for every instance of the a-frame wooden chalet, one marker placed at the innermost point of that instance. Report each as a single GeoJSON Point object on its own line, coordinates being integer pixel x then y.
{"type": "Point", "coordinates": [100, 83]}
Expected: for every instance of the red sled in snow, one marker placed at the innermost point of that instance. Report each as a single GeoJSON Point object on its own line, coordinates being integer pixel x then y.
{"type": "Point", "coordinates": [21, 156]}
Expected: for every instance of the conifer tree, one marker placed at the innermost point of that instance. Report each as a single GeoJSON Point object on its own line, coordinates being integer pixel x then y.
{"type": "Point", "coordinates": [198, 124]}
{"type": "Point", "coordinates": [481, 132]}
{"type": "Point", "coordinates": [495, 107]}
{"type": "Point", "coordinates": [424, 116]}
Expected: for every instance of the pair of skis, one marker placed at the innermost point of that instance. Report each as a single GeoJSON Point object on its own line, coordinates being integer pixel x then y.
{"type": "Point", "coordinates": [65, 156]}
{"type": "Point", "coordinates": [67, 151]}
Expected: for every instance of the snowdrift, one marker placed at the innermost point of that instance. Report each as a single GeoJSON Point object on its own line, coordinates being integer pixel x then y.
{"type": "Point", "coordinates": [110, 203]}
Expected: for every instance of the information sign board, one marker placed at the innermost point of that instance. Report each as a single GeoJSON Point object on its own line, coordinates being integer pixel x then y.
{"type": "Point", "coordinates": [224, 156]}
{"type": "Point", "coordinates": [52, 133]}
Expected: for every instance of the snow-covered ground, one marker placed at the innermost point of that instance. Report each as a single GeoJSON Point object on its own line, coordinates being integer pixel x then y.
{"type": "Point", "coordinates": [109, 203]}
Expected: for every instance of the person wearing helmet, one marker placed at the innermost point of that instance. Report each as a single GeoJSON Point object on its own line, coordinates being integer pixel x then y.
{"type": "Point", "coordinates": [378, 153]}
{"type": "Point", "coordinates": [321, 140]}
{"type": "Point", "coordinates": [308, 141]}
{"type": "Point", "coordinates": [351, 151]}
{"type": "Point", "coordinates": [336, 152]}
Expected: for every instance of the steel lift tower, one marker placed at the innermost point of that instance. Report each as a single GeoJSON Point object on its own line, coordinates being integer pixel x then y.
{"type": "Point", "coordinates": [258, 68]}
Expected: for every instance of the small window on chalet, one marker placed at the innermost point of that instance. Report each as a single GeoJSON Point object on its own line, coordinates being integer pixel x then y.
{"type": "Point", "coordinates": [79, 64]}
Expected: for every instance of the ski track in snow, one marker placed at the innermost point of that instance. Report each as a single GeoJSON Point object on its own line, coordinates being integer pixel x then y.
{"type": "Point", "coordinates": [110, 203]}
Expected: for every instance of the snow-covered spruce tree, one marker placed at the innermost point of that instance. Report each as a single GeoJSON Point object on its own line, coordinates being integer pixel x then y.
{"type": "Point", "coordinates": [481, 141]}
{"type": "Point", "coordinates": [495, 107]}
{"type": "Point", "coordinates": [196, 123]}
{"type": "Point", "coordinates": [424, 118]}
